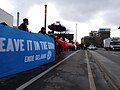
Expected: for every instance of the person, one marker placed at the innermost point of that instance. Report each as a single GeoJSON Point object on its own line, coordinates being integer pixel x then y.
{"type": "Point", "coordinates": [23, 26]}
{"type": "Point", "coordinates": [49, 33]}
{"type": "Point", "coordinates": [43, 30]}
{"type": "Point", "coordinates": [52, 34]}
{"type": "Point", "coordinates": [3, 23]}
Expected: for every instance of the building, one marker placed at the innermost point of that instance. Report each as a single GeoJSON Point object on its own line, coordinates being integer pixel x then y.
{"type": "Point", "coordinates": [103, 33]}
{"type": "Point", "coordinates": [96, 37]}
{"type": "Point", "coordinates": [6, 17]}
{"type": "Point", "coordinates": [93, 33]}
{"type": "Point", "coordinates": [87, 40]}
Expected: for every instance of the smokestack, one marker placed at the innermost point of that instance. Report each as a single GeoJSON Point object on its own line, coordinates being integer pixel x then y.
{"type": "Point", "coordinates": [45, 16]}
{"type": "Point", "coordinates": [18, 18]}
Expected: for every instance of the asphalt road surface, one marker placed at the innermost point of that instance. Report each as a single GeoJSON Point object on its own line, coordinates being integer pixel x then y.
{"type": "Point", "coordinates": [72, 70]}
{"type": "Point", "coordinates": [110, 63]}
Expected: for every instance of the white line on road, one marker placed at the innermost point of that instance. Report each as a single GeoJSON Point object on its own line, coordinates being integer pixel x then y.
{"type": "Point", "coordinates": [90, 75]}
{"type": "Point", "coordinates": [109, 68]}
{"type": "Point", "coordinates": [115, 54]}
{"type": "Point", "coordinates": [43, 73]}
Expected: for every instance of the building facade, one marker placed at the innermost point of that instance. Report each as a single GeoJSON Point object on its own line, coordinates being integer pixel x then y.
{"type": "Point", "coordinates": [96, 37]}
{"type": "Point", "coordinates": [6, 17]}
{"type": "Point", "coordinates": [103, 33]}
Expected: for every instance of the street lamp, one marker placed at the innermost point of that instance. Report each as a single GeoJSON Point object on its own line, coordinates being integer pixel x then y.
{"type": "Point", "coordinates": [76, 32]}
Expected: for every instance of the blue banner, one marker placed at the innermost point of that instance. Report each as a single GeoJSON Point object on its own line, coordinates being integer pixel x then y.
{"type": "Point", "coordinates": [21, 51]}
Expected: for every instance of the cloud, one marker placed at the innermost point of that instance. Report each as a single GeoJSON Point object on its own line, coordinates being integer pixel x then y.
{"type": "Point", "coordinates": [6, 6]}
{"type": "Point", "coordinates": [89, 14]}
{"type": "Point", "coordinates": [112, 17]}
{"type": "Point", "coordinates": [82, 11]}
{"type": "Point", "coordinates": [23, 7]}
{"type": "Point", "coordinates": [85, 10]}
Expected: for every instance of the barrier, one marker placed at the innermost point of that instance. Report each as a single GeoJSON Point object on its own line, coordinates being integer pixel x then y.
{"type": "Point", "coordinates": [21, 51]}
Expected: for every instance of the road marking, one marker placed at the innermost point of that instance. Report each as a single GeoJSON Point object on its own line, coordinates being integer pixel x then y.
{"type": "Point", "coordinates": [90, 75]}
{"type": "Point", "coordinates": [108, 68]}
{"type": "Point", "coordinates": [114, 54]}
{"type": "Point", "coordinates": [43, 73]}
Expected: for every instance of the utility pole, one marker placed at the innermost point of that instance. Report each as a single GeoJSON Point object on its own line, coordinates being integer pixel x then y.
{"type": "Point", "coordinates": [45, 16]}
{"type": "Point", "coordinates": [76, 32]}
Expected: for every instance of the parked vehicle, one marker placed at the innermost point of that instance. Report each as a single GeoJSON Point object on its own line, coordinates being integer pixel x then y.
{"type": "Point", "coordinates": [111, 43]}
{"type": "Point", "coordinates": [92, 47]}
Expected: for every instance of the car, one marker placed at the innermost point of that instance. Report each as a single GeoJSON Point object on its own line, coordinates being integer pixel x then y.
{"type": "Point", "coordinates": [92, 47]}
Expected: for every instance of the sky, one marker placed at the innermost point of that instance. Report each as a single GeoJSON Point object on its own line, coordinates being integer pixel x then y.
{"type": "Point", "coordinates": [82, 16]}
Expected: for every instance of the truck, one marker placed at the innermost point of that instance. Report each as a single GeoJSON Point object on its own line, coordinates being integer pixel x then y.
{"type": "Point", "coordinates": [112, 43]}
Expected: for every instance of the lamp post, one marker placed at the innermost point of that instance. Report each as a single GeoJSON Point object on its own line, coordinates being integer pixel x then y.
{"type": "Point", "coordinates": [45, 16]}
{"type": "Point", "coordinates": [76, 32]}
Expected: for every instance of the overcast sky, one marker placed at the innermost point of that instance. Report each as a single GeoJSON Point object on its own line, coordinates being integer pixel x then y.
{"type": "Point", "coordinates": [87, 14]}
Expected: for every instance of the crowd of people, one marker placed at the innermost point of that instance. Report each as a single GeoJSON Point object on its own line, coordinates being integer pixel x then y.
{"type": "Point", "coordinates": [60, 43]}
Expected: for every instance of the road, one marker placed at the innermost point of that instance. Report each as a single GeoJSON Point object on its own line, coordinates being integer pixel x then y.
{"type": "Point", "coordinates": [110, 63]}
{"type": "Point", "coordinates": [72, 70]}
